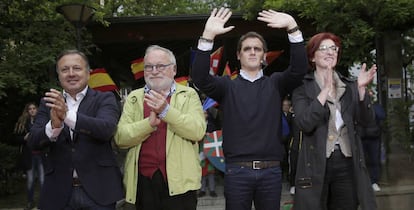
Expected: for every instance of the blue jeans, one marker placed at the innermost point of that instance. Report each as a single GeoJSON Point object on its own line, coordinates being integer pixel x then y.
{"type": "Point", "coordinates": [243, 185]}
{"type": "Point", "coordinates": [37, 166]}
{"type": "Point", "coordinates": [81, 201]}
{"type": "Point", "coordinates": [372, 150]}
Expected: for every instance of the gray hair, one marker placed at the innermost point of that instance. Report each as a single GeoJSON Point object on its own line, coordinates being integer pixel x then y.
{"type": "Point", "coordinates": [157, 47]}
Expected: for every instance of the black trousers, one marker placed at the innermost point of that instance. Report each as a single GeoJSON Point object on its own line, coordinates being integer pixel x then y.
{"type": "Point", "coordinates": [153, 195]}
{"type": "Point", "coordinates": [339, 191]}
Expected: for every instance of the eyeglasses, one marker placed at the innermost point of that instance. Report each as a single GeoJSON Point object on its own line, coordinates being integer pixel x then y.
{"type": "Point", "coordinates": [159, 67]}
{"type": "Point", "coordinates": [324, 48]}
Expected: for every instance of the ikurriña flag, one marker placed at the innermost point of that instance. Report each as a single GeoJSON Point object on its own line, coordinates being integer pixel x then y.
{"type": "Point", "coordinates": [137, 68]}
{"type": "Point", "coordinates": [100, 80]}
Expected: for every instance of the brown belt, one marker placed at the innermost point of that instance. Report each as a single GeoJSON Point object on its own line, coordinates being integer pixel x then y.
{"type": "Point", "coordinates": [76, 182]}
{"type": "Point", "coordinates": [257, 164]}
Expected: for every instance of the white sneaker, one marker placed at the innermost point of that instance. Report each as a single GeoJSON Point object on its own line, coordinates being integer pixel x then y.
{"type": "Point", "coordinates": [375, 187]}
{"type": "Point", "coordinates": [292, 190]}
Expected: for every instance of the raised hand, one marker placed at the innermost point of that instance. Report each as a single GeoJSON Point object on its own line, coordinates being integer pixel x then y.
{"type": "Point", "coordinates": [277, 19]}
{"type": "Point", "coordinates": [366, 77]}
{"type": "Point", "coordinates": [215, 23]}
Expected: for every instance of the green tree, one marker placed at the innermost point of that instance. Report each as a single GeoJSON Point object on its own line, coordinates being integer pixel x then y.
{"type": "Point", "coordinates": [31, 34]}
{"type": "Point", "coordinates": [357, 22]}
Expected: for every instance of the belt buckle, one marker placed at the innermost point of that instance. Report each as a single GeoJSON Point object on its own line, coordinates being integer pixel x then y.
{"type": "Point", "coordinates": [255, 163]}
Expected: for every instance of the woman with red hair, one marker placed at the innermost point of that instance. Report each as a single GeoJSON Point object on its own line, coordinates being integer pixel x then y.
{"type": "Point", "coordinates": [331, 172]}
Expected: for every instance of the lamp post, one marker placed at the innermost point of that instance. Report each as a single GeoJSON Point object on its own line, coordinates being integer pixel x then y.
{"type": "Point", "coordinates": [78, 15]}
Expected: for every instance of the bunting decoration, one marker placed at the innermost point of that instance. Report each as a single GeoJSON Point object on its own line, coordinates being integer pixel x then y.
{"type": "Point", "coordinates": [101, 81]}
{"type": "Point", "coordinates": [137, 68]}
{"type": "Point", "coordinates": [215, 58]}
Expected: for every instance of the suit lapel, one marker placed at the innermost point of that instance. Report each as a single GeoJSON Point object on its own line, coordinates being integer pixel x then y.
{"type": "Point", "coordinates": [84, 107]}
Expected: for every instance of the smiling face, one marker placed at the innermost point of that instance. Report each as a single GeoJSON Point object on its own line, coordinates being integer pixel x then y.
{"type": "Point", "coordinates": [73, 73]}
{"type": "Point", "coordinates": [251, 54]}
{"type": "Point", "coordinates": [326, 55]}
{"type": "Point", "coordinates": [159, 71]}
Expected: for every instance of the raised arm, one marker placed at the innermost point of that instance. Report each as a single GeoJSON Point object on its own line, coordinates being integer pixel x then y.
{"type": "Point", "coordinates": [279, 20]}
{"type": "Point", "coordinates": [215, 23]}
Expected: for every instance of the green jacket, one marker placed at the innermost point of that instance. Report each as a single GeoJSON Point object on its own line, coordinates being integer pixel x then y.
{"type": "Point", "coordinates": [185, 127]}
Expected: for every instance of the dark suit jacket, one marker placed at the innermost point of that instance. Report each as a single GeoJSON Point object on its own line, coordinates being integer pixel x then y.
{"type": "Point", "coordinates": [90, 153]}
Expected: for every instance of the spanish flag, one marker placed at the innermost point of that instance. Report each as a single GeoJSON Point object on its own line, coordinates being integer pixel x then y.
{"type": "Point", "coordinates": [182, 80]}
{"type": "Point", "coordinates": [137, 68]}
{"type": "Point", "coordinates": [100, 80]}
{"type": "Point", "coordinates": [234, 75]}
{"type": "Point", "coordinates": [227, 72]}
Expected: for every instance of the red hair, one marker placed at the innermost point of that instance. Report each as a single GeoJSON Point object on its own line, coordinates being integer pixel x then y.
{"type": "Point", "coordinates": [316, 41]}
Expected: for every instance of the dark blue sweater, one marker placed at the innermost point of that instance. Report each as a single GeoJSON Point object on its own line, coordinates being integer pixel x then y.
{"type": "Point", "coordinates": [251, 110]}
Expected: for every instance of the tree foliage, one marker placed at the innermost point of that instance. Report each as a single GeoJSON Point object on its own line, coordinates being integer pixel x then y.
{"type": "Point", "coordinates": [32, 33]}
{"type": "Point", "coordinates": [357, 22]}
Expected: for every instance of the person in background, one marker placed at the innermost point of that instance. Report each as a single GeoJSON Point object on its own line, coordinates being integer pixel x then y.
{"type": "Point", "coordinates": [77, 126]}
{"type": "Point", "coordinates": [287, 118]}
{"type": "Point", "coordinates": [161, 125]}
{"type": "Point", "coordinates": [31, 157]}
{"type": "Point", "coordinates": [208, 171]}
{"type": "Point", "coordinates": [331, 172]}
{"type": "Point", "coordinates": [251, 107]}
{"type": "Point", "coordinates": [292, 143]}
{"type": "Point", "coordinates": [207, 176]}
{"type": "Point", "coordinates": [371, 142]}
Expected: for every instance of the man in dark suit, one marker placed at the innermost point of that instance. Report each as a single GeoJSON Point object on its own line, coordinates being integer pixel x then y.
{"type": "Point", "coordinates": [77, 125]}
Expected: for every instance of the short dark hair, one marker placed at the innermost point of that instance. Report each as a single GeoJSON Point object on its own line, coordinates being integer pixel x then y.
{"type": "Point", "coordinates": [251, 34]}
{"type": "Point", "coordinates": [72, 51]}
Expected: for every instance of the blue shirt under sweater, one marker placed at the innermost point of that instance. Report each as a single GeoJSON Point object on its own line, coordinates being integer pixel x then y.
{"type": "Point", "coordinates": [251, 110]}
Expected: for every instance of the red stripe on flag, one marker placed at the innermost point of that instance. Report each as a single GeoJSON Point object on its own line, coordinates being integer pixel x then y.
{"type": "Point", "coordinates": [100, 80]}
{"type": "Point", "coordinates": [137, 68]}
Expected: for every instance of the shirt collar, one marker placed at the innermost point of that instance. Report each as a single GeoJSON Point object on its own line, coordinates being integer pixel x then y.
{"type": "Point", "coordinates": [172, 89]}
{"type": "Point", "coordinates": [79, 96]}
{"type": "Point", "coordinates": [244, 74]}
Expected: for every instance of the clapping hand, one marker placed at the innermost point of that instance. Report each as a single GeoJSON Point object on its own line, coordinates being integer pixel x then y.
{"type": "Point", "coordinates": [55, 100]}
{"type": "Point", "coordinates": [365, 77]}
